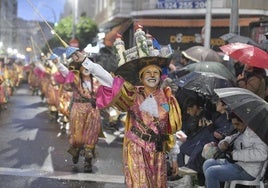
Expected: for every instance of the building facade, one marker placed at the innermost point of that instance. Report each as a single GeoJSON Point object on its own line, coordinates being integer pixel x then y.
{"type": "Point", "coordinates": [8, 16]}
{"type": "Point", "coordinates": [83, 7]}
{"type": "Point", "coordinates": [176, 22]}
{"type": "Point", "coordinates": [19, 34]}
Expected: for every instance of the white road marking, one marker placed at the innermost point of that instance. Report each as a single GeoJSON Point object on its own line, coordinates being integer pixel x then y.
{"type": "Point", "coordinates": [62, 175]}
{"type": "Point", "coordinates": [47, 165]}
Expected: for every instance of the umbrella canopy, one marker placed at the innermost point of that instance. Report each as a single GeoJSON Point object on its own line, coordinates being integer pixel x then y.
{"type": "Point", "coordinates": [233, 38]}
{"type": "Point", "coordinates": [246, 54]}
{"type": "Point", "coordinates": [210, 66]}
{"type": "Point", "coordinates": [252, 109]}
{"type": "Point", "coordinates": [201, 53]}
{"type": "Point", "coordinates": [203, 82]}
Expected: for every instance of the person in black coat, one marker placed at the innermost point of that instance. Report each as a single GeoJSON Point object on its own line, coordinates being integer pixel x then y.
{"type": "Point", "coordinates": [200, 131]}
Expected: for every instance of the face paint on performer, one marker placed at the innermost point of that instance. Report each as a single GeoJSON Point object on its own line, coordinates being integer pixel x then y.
{"type": "Point", "coordinates": [150, 76]}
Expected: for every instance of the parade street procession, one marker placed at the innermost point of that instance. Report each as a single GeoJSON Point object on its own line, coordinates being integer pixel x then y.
{"type": "Point", "coordinates": [133, 94]}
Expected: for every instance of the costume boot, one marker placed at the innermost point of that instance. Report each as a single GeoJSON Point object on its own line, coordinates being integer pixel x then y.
{"type": "Point", "coordinates": [88, 159]}
{"type": "Point", "coordinates": [75, 153]}
{"type": "Point", "coordinates": [88, 165]}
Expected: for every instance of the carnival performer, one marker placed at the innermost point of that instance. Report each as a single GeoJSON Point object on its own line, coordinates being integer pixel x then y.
{"type": "Point", "coordinates": [45, 81]}
{"type": "Point", "coordinates": [20, 73]}
{"type": "Point", "coordinates": [34, 77]}
{"type": "Point", "coordinates": [84, 118]}
{"type": "Point", "coordinates": [52, 92]}
{"type": "Point", "coordinates": [65, 98]}
{"type": "Point", "coordinates": [9, 77]}
{"type": "Point", "coordinates": [153, 114]}
{"type": "Point", "coordinates": [3, 92]}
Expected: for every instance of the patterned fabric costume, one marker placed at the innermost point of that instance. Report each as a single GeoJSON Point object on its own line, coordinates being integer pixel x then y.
{"type": "Point", "coordinates": [151, 120]}
{"type": "Point", "coordinates": [34, 79]}
{"type": "Point", "coordinates": [84, 118]}
{"type": "Point", "coordinates": [144, 166]}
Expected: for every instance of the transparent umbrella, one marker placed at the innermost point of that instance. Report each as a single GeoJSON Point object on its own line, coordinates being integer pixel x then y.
{"type": "Point", "coordinates": [203, 82]}
{"type": "Point", "coordinates": [233, 38]}
{"type": "Point", "coordinates": [201, 53]}
{"type": "Point", "coordinates": [209, 66]}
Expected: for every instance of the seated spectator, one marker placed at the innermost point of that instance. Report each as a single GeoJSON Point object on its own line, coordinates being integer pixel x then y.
{"type": "Point", "coordinates": [253, 79]}
{"type": "Point", "coordinates": [239, 68]}
{"type": "Point", "coordinates": [265, 42]}
{"type": "Point", "coordinates": [185, 59]}
{"type": "Point", "coordinates": [196, 127]}
{"type": "Point", "coordinates": [173, 171]}
{"type": "Point", "coordinates": [211, 131]}
{"type": "Point", "coordinates": [222, 125]}
{"type": "Point", "coordinates": [248, 154]}
{"type": "Point", "coordinates": [222, 128]}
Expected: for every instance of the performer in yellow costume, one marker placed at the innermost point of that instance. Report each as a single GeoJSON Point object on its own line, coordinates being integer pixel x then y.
{"type": "Point", "coordinates": [153, 115]}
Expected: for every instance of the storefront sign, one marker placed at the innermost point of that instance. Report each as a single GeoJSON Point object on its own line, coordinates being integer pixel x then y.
{"type": "Point", "coordinates": [186, 37]}
{"type": "Point", "coordinates": [180, 4]}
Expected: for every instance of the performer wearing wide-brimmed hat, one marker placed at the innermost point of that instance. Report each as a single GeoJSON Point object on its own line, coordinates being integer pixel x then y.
{"type": "Point", "coordinates": [153, 113]}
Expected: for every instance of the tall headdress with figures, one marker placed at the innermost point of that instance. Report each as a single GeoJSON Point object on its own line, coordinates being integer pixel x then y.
{"type": "Point", "coordinates": [134, 59]}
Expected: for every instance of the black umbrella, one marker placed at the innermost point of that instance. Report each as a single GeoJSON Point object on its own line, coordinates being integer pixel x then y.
{"type": "Point", "coordinates": [252, 109]}
{"type": "Point", "coordinates": [210, 66]}
{"type": "Point", "coordinates": [203, 82]}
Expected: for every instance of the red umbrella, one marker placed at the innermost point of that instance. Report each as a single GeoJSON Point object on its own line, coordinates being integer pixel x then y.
{"type": "Point", "coordinates": [247, 54]}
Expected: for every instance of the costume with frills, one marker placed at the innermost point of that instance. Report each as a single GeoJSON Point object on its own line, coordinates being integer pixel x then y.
{"type": "Point", "coordinates": [143, 165]}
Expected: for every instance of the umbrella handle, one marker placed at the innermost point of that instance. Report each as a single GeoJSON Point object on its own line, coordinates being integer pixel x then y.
{"type": "Point", "coordinates": [242, 75]}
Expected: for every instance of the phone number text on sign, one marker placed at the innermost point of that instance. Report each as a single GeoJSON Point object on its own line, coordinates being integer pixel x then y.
{"type": "Point", "coordinates": [178, 4]}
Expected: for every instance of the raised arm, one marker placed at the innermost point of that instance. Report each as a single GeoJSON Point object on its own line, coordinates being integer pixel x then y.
{"type": "Point", "coordinates": [62, 69]}
{"type": "Point", "coordinates": [104, 77]}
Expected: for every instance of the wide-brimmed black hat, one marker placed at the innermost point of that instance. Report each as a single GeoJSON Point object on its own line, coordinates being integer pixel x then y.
{"type": "Point", "coordinates": [130, 70]}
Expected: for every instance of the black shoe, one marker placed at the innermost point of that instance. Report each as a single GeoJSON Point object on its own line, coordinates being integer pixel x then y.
{"type": "Point", "coordinates": [174, 177]}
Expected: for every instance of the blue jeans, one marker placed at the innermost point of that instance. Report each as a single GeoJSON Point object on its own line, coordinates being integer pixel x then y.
{"type": "Point", "coordinates": [221, 170]}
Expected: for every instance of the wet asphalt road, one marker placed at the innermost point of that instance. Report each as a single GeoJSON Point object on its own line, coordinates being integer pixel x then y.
{"type": "Point", "coordinates": [33, 150]}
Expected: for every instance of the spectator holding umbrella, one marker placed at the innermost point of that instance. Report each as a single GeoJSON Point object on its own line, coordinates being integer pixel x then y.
{"type": "Point", "coordinates": [255, 60]}
{"type": "Point", "coordinates": [248, 153]}
{"type": "Point", "coordinates": [253, 79]}
{"type": "Point", "coordinates": [265, 42]}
